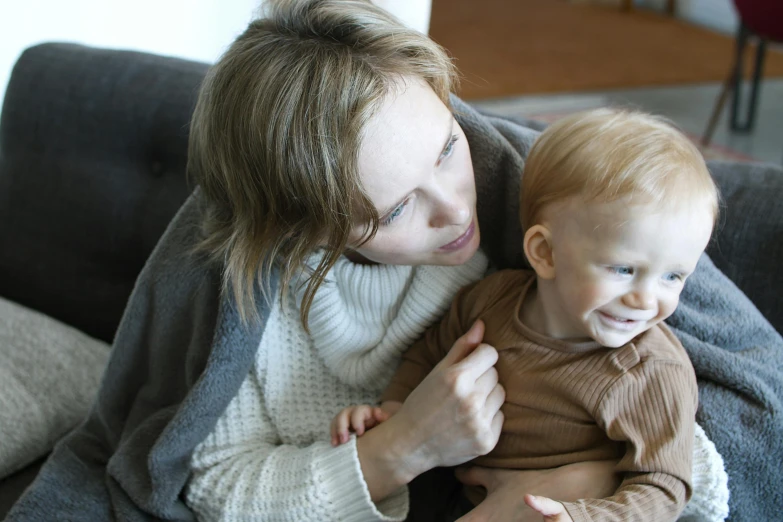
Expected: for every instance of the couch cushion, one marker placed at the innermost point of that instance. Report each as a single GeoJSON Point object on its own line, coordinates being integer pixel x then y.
{"type": "Point", "coordinates": [748, 242]}
{"type": "Point", "coordinates": [93, 146]}
{"type": "Point", "coordinates": [49, 374]}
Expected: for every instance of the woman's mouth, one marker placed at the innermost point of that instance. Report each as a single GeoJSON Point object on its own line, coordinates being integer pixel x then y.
{"type": "Point", "coordinates": [462, 240]}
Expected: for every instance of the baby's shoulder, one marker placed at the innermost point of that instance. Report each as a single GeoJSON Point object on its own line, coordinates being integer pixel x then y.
{"type": "Point", "coordinates": [498, 286]}
{"type": "Point", "coordinates": [505, 279]}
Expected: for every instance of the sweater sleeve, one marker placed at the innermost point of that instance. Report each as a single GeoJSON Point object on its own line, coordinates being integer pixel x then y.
{"type": "Point", "coordinates": [242, 471]}
{"type": "Point", "coordinates": [652, 409]}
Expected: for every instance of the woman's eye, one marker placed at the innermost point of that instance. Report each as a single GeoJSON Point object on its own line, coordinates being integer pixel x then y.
{"type": "Point", "coordinates": [449, 147]}
{"type": "Point", "coordinates": [394, 214]}
{"type": "Point", "coordinates": [621, 270]}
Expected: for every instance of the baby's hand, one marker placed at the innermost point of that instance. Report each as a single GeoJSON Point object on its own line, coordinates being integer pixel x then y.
{"type": "Point", "coordinates": [357, 419]}
{"type": "Point", "coordinates": [552, 510]}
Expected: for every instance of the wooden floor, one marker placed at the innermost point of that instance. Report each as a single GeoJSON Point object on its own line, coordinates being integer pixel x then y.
{"type": "Point", "coordinates": [519, 47]}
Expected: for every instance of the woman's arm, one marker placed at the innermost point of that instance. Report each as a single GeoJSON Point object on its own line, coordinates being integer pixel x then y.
{"type": "Point", "coordinates": [242, 470]}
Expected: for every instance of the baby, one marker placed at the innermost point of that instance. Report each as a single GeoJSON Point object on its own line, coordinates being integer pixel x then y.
{"type": "Point", "coordinates": [617, 208]}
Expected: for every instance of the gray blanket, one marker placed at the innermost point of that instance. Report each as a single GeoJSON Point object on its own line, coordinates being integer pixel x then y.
{"type": "Point", "coordinates": [180, 355]}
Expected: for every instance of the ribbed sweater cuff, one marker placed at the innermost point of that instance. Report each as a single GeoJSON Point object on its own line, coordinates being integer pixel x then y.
{"type": "Point", "coordinates": [343, 481]}
{"type": "Point", "coordinates": [577, 511]}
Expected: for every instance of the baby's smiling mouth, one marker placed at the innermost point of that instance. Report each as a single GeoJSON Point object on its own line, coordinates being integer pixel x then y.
{"type": "Point", "coordinates": [618, 322]}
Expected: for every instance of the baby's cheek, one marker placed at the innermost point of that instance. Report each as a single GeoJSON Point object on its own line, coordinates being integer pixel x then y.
{"type": "Point", "coordinates": [589, 297]}
{"type": "Point", "coordinates": [668, 306]}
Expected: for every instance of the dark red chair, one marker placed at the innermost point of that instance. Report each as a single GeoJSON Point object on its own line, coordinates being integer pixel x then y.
{"type": "Point", "coordinates": [760, 20]}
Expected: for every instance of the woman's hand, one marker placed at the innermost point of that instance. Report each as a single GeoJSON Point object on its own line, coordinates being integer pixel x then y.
{"type": "Point", "coordinates": [454, 415]}
{"type": "Point", "coordinates": [506, 489]}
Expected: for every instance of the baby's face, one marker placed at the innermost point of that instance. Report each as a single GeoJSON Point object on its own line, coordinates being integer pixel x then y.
{"type": "Point", "coordinates": [620, 267]}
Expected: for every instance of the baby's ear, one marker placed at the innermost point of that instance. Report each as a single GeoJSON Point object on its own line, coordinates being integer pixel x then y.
{"type": "Point", "coordinates": [538, 249]}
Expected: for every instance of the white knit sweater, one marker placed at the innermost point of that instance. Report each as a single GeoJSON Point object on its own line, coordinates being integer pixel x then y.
{"type": "Point", "coordinates": [269, 456]}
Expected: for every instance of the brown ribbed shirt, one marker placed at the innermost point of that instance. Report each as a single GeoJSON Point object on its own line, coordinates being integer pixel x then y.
{"type": "Point", "coordinates": [573, 402]}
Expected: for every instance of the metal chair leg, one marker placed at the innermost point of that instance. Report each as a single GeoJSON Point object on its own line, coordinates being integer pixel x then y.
{"type": "Point", "coordinates": [728, 87]}
{"type": "Point", "coordinates": [750, 116]}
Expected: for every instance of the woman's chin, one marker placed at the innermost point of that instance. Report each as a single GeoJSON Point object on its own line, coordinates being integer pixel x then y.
{"type": "Point", "coordinates": [461, 256]}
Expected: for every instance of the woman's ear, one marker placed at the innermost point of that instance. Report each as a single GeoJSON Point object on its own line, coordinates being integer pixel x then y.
{"type": "Point", "coordinates": [538, 249]}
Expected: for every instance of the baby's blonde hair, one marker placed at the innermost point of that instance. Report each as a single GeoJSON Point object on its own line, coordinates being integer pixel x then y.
{"type": "Point", "coordinates": [606, 154]}
{"type": "Point", "coordinates": [277, 129]}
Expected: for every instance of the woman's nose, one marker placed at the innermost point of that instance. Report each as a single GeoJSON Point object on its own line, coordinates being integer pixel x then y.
{"type": "Point", "coordinates": [455, 211]}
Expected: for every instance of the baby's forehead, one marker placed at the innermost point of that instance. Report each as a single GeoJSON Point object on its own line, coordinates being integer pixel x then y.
{"type": "Point", "coordinates": [632, 223]}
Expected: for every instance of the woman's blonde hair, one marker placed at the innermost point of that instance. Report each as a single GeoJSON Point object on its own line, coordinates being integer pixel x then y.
{"type": "Point", "coordinates": [277, 129]}
{"type": "Point", "coordinates": [607, 154]}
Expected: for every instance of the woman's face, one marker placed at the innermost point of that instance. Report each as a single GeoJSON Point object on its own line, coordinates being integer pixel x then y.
{"type": "Point", "coordinates": [415, 167]}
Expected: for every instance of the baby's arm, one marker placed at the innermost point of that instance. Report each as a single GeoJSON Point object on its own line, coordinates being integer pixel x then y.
{"type": "Point", "coordinates": [359, 419]}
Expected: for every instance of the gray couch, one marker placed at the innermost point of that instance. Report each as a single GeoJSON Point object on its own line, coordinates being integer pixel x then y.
{"type": "Point", "coordinates": [92, 168]}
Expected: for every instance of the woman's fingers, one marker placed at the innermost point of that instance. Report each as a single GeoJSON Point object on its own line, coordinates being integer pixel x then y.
{"type": "Point", "coordinates": [496, 398]}
{"type": "Point", "coordinates": [475, 364]}
{"type": "Point", "coordinates": [465, 344]}
{"type": "Point", "coordinates": [497, 426]}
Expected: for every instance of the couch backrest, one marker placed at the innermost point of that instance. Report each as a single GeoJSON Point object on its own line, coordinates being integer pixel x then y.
{"type": "Point", "coordinates": [93, 148]}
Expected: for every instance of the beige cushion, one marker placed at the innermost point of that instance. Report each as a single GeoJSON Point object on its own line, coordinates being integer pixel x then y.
{"type": "Point", "coordinates": [49, 373]}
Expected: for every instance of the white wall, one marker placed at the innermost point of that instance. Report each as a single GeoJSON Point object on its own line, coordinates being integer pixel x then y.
{"type": "Point", "coordinates": [194, 29]}
{"type": "Point", "coordinates": [714, 14]}
{"type": "Point", "coordinates": [202, 29]}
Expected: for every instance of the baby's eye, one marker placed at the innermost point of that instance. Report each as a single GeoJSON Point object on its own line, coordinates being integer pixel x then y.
{"type": "Point", "coordinates": [621, 270]}
{"type": "Point", "coordinates": [673, 277]}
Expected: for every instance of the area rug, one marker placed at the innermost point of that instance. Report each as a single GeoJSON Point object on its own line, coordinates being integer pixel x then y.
{"type": "Point", "coordinates": [518, 47]}
{"type": "Point", "coordinates": [713, 152]}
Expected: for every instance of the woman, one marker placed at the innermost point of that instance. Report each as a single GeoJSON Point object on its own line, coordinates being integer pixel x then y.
{"type": "Point", "coordinates": [336, 216]}
{"type": "Point", "coordinates": [371, 172]}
